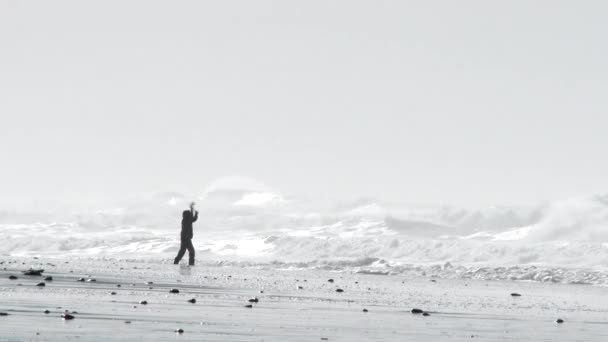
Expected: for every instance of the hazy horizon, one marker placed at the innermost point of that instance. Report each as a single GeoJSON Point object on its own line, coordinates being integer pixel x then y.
{"type": "Point", "coordinates": [470, 104]}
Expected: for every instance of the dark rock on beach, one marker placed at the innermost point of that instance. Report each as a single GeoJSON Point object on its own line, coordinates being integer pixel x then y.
{"type": "Point", "coordinates": [339, 290]}
{"type": "Point", "coordinates": [515, 294]}
{"type": "Point", "coordinates": [417, 311]}
{"type": "Point", "coordinates": [174, 291]}
{"type": "Point", "coordinates": [47, 312]}
{"type": "Point", "coordinates": [143, 302]}
{"type": "Point", "coordinates": [426, 314]}
{"type": "Point", "coordinates": [193, 300]}
{"type": "Point", "coordinates": [48, 278]}
{"type": "Point", "coordinates": [330, 280]}
{"type": "Point", "coordinates": [559, 321]}
{"type": "Point", "coordinates": [67, 316]}
{"type": "Point", "coordinates": [3, 314]}
{"type": "Point", "coordinates": [249, 306]}
{"type": "Point", "coordinates": [80, 279]}
{"type": "Point", "coordinates": [365, 310]}
{"type": "Point", "coordinates": [13, 277]}
{"type": "Point", "coordinates": [41, 284]}
{"type": "Point", "coordinates": [179, 331]}
{"type": "Point", "coordinates": [254, 300]}
{"type": "Point", "coordinates": [33, 272]}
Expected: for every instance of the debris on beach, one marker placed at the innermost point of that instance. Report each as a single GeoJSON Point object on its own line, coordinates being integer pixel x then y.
{"type": "Point", "coordinates": [91, 280]}
{"type": "Point", "coordinates": [3, 314]}
{"type": "Point", "coordinates": [80, 279]}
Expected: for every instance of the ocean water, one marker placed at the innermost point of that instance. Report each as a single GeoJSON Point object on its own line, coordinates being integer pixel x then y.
{"type": "Point", "coordinates": [563, 241]}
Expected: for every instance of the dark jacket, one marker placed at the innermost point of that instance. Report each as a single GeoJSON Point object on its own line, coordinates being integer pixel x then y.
{"type": "Point", "coordinates": [187, 220]}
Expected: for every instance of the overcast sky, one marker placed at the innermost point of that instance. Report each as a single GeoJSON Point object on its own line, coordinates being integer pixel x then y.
{"type": "Point", "coordinates": [455, 102]}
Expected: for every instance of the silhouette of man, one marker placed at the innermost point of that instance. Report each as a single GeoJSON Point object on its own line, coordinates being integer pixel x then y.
{"type": "Point", "coordinates": [188, 217]}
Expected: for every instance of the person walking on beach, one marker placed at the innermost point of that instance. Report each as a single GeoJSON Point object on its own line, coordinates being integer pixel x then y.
{"type": "Point", "coordinates": [188, 217]}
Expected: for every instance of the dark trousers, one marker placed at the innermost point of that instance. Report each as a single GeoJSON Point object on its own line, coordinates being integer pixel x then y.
{"type": "Point", "coordinates": [186, 244]}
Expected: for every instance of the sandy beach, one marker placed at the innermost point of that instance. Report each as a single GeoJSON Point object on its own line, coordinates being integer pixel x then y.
{"type": "Point", "coordinates": [293, 305]}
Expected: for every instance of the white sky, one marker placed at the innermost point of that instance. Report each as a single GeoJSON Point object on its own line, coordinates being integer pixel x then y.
{"type": "Point", "coordinates": [458, 102]}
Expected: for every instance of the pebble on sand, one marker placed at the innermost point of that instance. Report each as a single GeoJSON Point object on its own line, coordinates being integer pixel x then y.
{"type": "Point", "coordinates": [143, 302]}
{"type": "Point", "coordinates": [249, 306]}
{"type": "Point", "coordinates": [365, 310]}
{"type": "Point", "coordinates": [417, 311]}
{"type": "Point", "coordinates": [330, 280]}
{"type": "Point", "coordinates": [80, 279]}
{"type": "Point", "coordinates": [33, 272]}
{"type": "Point", "coordinates": [254, 300]}
{"type": "Point", "coordinates": [3, 314]}
{"type": "Point", "coordinates": [13, 277]}
{"type": "Point", "coordinates": [559, 321]}
{"type": "Point", "coordinates": [47, 312]}
{"type": "Point", "coordinates": [339, 290]}
{"type": "Point", "coordinates": [515, 294]}
{"type": "Point", "coordinates": [113, 293]}
{"type": "Point", "coordinates": [426, 314]}
{"type": "Point", "coordinates": [48, 278]}
{"type": "Point", "coordinates": [174, 291]}
{"type": "Point", "coordinates": [300, 288]}
{"type": "Point", "coordinates": [90, 280]}
{"type": "Point", "coordinates": [179, 331]}
{"type": "Point", "coordinates": [193, 300]}
{"type": "Point", "coordinates": [41, 284]}
{"type": "Point", "coordinates": [67, 316]}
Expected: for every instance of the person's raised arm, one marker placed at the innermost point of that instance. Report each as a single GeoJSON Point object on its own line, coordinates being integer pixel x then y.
{"type": "Point", "coordinates": [195, 217]}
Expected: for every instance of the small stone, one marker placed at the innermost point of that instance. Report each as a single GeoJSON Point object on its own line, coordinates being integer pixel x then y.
{"type": "Point", "coordinates": [174, 291]}
{"type": "Point", "coordinates": [330, 280]}
{"type": "Point", "coordinates": [13, 277]}
{"type": "Point", "coordinates": [48, 278]}
{"type": "Point", "coordinates": [324, 339]}
{"type": "Point", "coordinates": [32, 272]}
{"type": "Point", "coordinates": [3, 314]}
{"type": "Point", "coordinates": [80, 279]}
{"type": "Point", "coordinates": [112, 293]}
{"type": "Point", "coordinates": [67, 316]}
{"type": "Point", "coordinates": [426, 314]}
{"type": "Point", "coordinates": [261, 291]}
{"type": "Point", "coordinates": [300, 287]}
{"type": "Point", "coordinates": [47, 312]}
{"type": "Point", "coordinates": [41, 284]}
{"type": "Point", "coordinates": [127, 322]}
{"type": "Point", "coordinates": [417, 311]}
{"type": "Point", "coordinates": [365, 310]}
{"type": "Point", "coordinates": [515, 294]}
{"type": "Point", "coordinates": [559, 321]}
{"type": "Point", "coordinates": [254, 300]}
{"type": "Point", "coordinates": [339, 290]}
{"type": "Point", "coordinates": [118, 285]}
{"type": "Point", "coordinates": [179, 331]}
{"type": "Point", "coordinates": [91, 280]}
{"type": "Point", "coordinates": [193, 300]}
{"type": "Point", "coordinates": [143, 302]}
{"type": "Point", "coordinates": [149, 283]}
{"type": "Point", "coordinates": [249, 306]}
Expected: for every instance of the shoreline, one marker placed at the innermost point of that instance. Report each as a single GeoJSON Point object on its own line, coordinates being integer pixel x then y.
{"type": "Point", "coordinates": [296, 305]}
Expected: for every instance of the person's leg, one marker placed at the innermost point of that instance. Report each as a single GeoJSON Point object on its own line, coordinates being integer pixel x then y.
{"type": "Point", "coordinates": [190, 252]}
{"type": "Point", "coordinates": [182, 251]}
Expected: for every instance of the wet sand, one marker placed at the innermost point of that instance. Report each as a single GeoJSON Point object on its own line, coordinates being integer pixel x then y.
{"type": "Point", "coordinates": [296, 305]}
